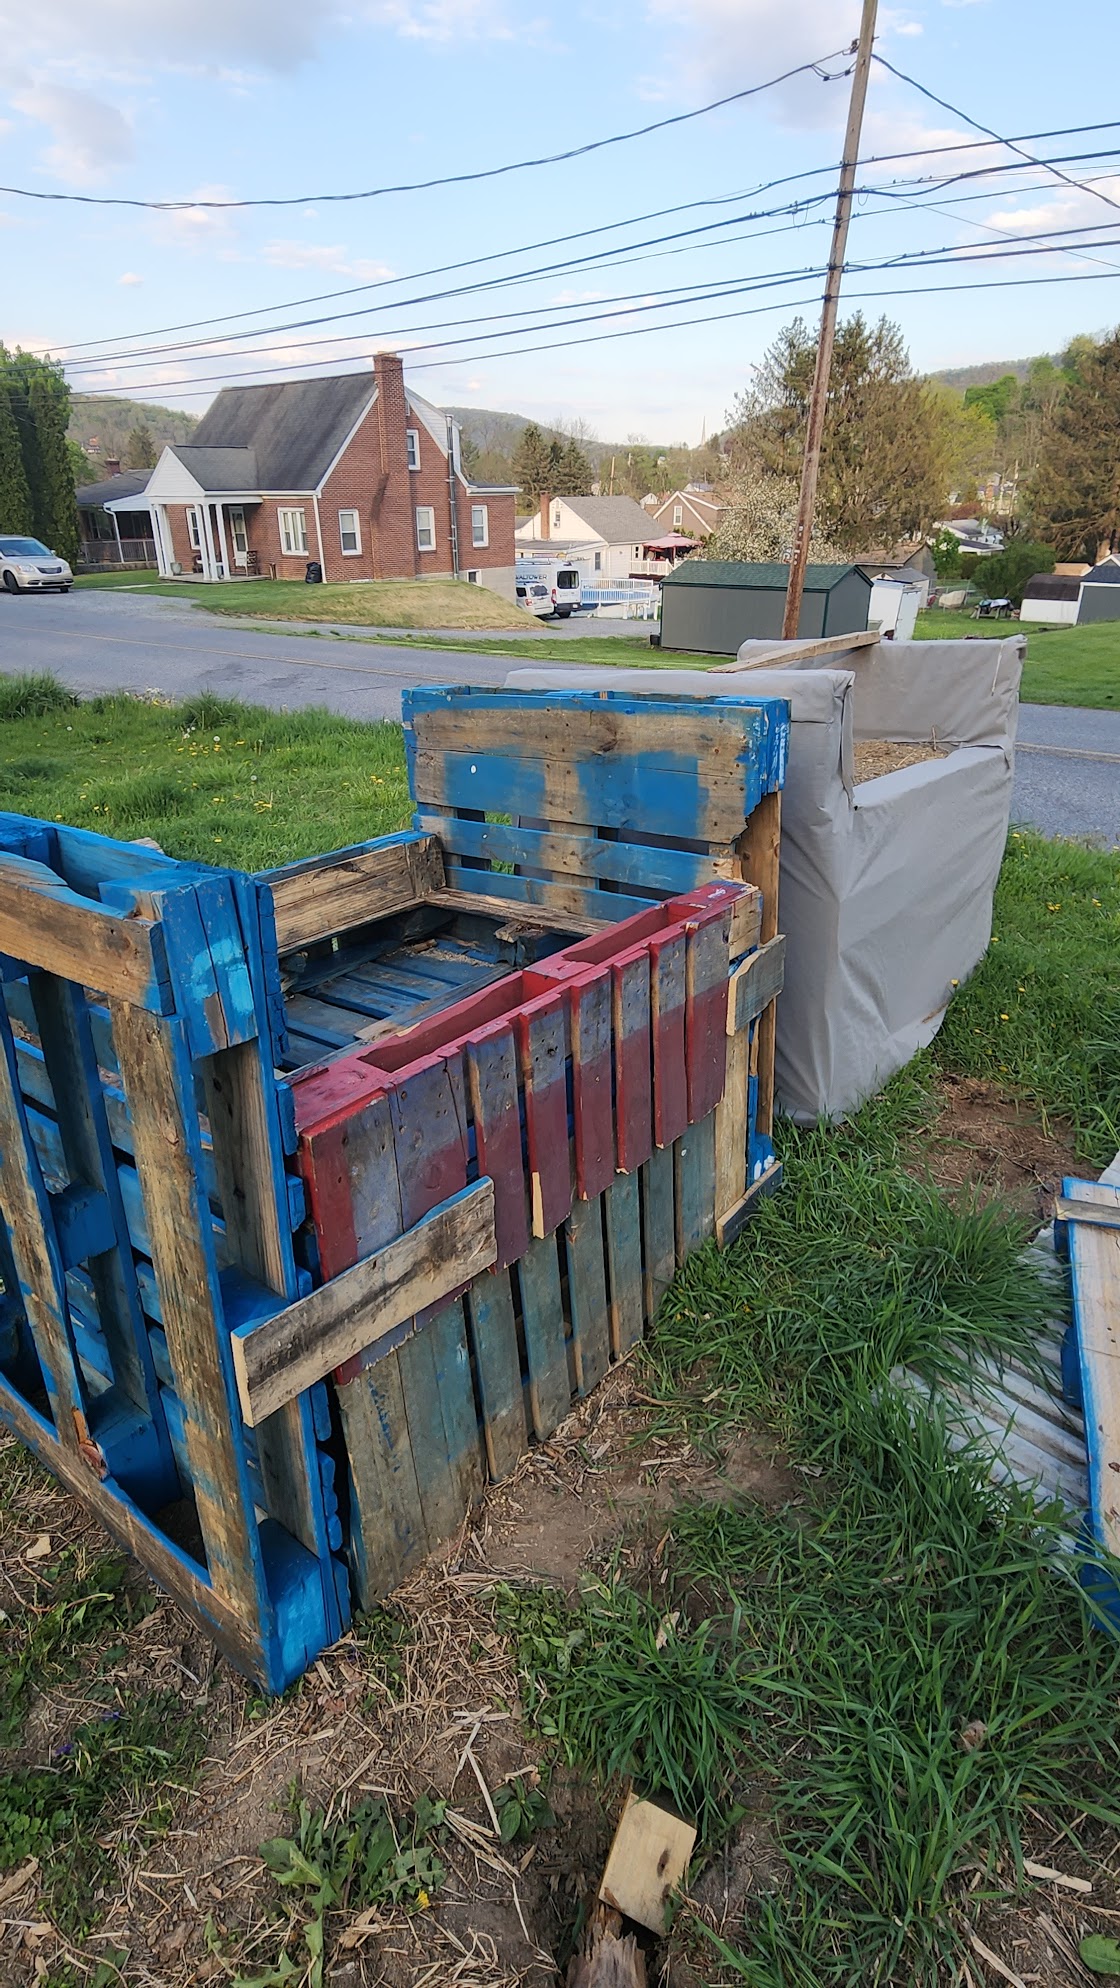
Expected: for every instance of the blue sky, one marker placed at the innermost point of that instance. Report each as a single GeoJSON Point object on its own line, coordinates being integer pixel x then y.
{"type": "Point", "coordinates": [279, 98]}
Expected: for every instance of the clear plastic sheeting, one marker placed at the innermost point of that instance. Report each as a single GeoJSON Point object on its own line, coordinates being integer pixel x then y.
{"type": "Point", "coordinates": [886, 886]}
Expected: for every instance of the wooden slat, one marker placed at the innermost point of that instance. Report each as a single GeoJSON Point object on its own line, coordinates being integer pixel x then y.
{"type": "Point", "coordinates": [553, 907]}
{"type": "Point", "coordinates": [157, 1075]}
{"type": "Point", "coordinates": [35, 1253]}
{"type": "Point", "coordinates": [388, 1533]}
{"type": "Point", "coordinates": [351, 887]}
{"type": "Point", "coordinates": [628, 793]}
{"type": "Point", "coordinates": [253, 1192]}
{"type": "Point", "coordinates": [49, 926]}
{"type": "Point", "coordinates": [659, 1249]}
{"type": "Point", "coordinates": [443, 1428]}
{"type": "Point", "coordinates": [732, 1125]}
{"type": "Point", "coordinates": [731, 1224]}
{"type": "Point", "coordinates": [759, 849]}
{"type": "Point", "coordinates": [543, 1043]}
{"type": "Point", "coordinates": [633, 1069]}
{"type": "Point", "coordinates": [694, 1158]}
{"type": "Point", "coordinates": [278, 1359]}
{"type": "Point", "coordinates": [587, 1293]}
{"type": "Point", "coordinates": [755, 984]}
{"type": "Point", "coordinates": [491, 1064]}
{"type": "Point", "coordinates": [542, 1318]}
{"type": "Point", "coordinates": [796, 653]}
{"type": "Point", "coordinates": [705, 1016]}
{"type": "Point", "coordinates": [1095, 1266]}
{"type": "Point", "coordinates": [624, 1262]}
{"type": "Point", "coordinates": [588, 857]}
{"type": "Point", "coordinates": [592, 1101]}
{"type": "Point", "coordinates": [670, 1072]}
{"type": "Point", "coordinates": [498, 1367]}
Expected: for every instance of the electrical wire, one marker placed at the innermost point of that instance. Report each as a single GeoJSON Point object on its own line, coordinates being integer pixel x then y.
{"type": "Point", "coordinates": [450, 179]}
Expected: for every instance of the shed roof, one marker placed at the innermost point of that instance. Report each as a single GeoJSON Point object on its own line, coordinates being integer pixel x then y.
{"type": "Point", "coordinates": [129, 483]}
{"type": "Point", "coordinates": [764, 577]}
{"type": "Point", "coordinates": [1052, 587]}
{"type": "Point", "coordinates": [1106, 574]}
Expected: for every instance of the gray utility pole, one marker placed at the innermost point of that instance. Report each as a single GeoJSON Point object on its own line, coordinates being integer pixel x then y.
{"type": "Point", "coordinates": [810, 469]}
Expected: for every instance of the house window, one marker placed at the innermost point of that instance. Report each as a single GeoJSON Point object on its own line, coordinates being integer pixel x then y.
{"type": "Point", "coordinates": [480, 525]}
{"type": "Point", "coordinates": [425, 528]}
{"type": "Point", "coordinates": [194, 530]}
{"type": "Point", "coordinates": [349, 531]}
{"type": "Point", "coordinates": [293, 532]}
{"type": "Point", "coordinates": [678, 516]}
{"type": "Point", "coordinates": [472, 576]}
{"type": "Point", "coordinates": [598, 562]}
{"type": "Point", "coordinates": [556, 517]}
{"type": "Point", "coordinates": [412, 437]}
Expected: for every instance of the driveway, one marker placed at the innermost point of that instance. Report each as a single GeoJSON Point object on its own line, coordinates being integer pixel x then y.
{"type": "Point", "coordinates": [1067, 779]}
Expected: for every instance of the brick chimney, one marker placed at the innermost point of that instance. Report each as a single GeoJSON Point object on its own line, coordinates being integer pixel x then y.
{"type": "Point", "coordinates": [546, 514]}
{"type": "Point", "coordinates": [112, 465]}
{"type": "Point", "coordinates": [392, 510]}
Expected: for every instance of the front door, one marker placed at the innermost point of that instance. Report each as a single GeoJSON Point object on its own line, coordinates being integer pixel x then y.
{"type": "Point", "coordinates": [238, 535]}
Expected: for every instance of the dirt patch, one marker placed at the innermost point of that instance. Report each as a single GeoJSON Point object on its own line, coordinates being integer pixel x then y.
{"type": "Point", "coordinates": [984, 1140]}
{"type": "Point", "coordinates": [876, 756]}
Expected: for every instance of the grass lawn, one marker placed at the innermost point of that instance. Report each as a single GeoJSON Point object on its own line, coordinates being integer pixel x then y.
{"type": "Point", "coordinates": [871, 1686]}
{"type": "Point", "coordinates": [1064, 665]}
{"type": "Point", "coordinates": [380, 604]}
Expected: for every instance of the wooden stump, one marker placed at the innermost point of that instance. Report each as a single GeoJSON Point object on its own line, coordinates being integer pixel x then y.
{"type": "Point", "coordinates": [609, 1958]}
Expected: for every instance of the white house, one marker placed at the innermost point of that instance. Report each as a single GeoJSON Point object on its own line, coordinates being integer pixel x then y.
{"type": "Point", "coordinates": [607, 536]}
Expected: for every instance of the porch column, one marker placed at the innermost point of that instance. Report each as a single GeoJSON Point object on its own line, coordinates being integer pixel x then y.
{"type": "Point", "coordinates": [163, 563]}
{"type": "Point", "coordinates": [226, 574]}
{"type": "Point", "coordinates": [117, 530]}
{"type": "Point", "coordinates": [209, 557]}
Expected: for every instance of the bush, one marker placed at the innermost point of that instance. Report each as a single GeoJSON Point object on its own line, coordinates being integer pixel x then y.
{"type": "Point", "coordinates": [1008, 572]}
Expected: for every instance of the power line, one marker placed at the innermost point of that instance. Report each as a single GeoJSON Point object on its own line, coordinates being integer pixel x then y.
{"type": "Point", "coordinates": [631, 304]}
{"type": "Point", "coordinates": [426, 185]}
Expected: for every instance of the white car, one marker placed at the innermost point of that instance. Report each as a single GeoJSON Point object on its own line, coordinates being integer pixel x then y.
{"type": "Point", "coordinates": [26, 566]}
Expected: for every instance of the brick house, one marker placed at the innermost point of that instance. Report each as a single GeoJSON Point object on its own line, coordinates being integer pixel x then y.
{"type": "Point", "coordinates": [695, 510]}
{"type": "Point", "coordinates": [355, 471]}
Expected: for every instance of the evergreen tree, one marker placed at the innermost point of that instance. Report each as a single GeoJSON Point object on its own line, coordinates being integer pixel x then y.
{"type": "Point", "coordinates": [57, 521]}
{"type": "Point", "coordinates": [140, 449]}
{"type": "Point", "coordinates": [16, 368]}
{"type": "Point", "coordinates": [573, 471]}
{"type": "Point", "coordinates": [1075, 498]}
{"type": "Point", "coordinates": [15, 497]}
{"type": "Point", "coordinates": [532, 463]}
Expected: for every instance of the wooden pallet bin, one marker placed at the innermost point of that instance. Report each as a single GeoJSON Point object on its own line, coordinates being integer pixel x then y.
{"type": "Point", "coordinates": [326, 1192]}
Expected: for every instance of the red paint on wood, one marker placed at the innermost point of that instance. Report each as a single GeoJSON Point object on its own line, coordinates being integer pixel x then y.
{"type": "Point", "coordinates": [592, 1086]}
{"type": "Point", "coordinates": [323, 1162]}
{"type": "Point", "coordinates": [670, 1074]}
{"type": "Point", "coordinates": [706, 1016]}
{"type": "Point", "coordinates": [633, 1071]}
{"type": "Point", "coordinates": [542, 1038]}
{"type": "Point", "coordinates": [492, 1071]}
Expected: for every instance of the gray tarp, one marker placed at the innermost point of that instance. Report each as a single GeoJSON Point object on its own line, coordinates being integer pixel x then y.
{"type": "Point", "coordinates": [886, 888]}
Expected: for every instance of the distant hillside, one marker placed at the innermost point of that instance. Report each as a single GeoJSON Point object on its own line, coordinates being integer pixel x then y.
{"type": "Point", "coordinates": [100, 425]}
{"type": "Point", "coordinates": [986, 371]}
{"type": "Point", "coordinates": [490, 429]}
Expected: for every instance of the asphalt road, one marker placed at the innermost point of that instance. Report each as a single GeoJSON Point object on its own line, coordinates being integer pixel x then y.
{"type": "Point", "coordinates": [1067, 779]}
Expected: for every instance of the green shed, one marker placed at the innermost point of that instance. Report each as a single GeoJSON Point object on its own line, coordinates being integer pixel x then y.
{"type": "Point", "coordinates": [711, 605]}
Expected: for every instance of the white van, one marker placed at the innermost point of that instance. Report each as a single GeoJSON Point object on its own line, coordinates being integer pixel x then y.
{"type": "Point", "coordinates": [549, 586]}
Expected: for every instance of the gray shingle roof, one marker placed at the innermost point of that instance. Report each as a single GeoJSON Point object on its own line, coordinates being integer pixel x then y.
{"type": "Point", "coordinates": [293, 430]}
{"type": "Point", "coordinates": [129, 483]}
{"type": "Point", "coordinates": [220, 469]}
{"type": "Point", "coordinates": [615, 519]}
{"type": "Point", "coordinates": [769, 576]}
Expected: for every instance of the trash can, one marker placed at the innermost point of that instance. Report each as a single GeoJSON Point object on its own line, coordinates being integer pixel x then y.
{"type": "Point", "coordinates": [313, 573]}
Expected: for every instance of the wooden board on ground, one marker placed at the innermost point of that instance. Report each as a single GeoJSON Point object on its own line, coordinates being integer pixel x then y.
{"type": "Point", "coordinates": [1095, 1265]}
{"type": "Point", "coordinates": [800, 652]}
{"type": "Point", "coordinates": [647, 1861]}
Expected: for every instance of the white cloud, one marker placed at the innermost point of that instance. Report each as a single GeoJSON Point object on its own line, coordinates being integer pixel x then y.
{"type": "Point", "coordinates": [272, 34]}
{"type": "Point", "coordinates": [710, 41]}
{"type": "Point", "coordinates": [331, 260]}
{"type": "Point", "coordinates": [455, 20]}
{"type": "Point", "coordinates": [90, 136]}
{"type": "Point", "coordinates": [198, 227]}
{"type": "Point", "coordinates": [1075, 209]}
{"type": "Point", "coordinates": [130, 279]}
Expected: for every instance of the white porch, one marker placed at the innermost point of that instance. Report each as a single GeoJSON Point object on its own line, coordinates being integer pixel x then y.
{"type": "Point", "coordinates": [216, 520]}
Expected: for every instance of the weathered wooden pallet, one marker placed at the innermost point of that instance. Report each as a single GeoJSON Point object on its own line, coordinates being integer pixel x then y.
{"type": "Point", "coordinates": [1087, 1230]}
{"type": "Point", "coordinates": [526, 1046]}
{"type": "Point", "coordinates": [148, 1213]}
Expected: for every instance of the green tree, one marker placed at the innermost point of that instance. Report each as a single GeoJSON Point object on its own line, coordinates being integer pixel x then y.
{"type": "Point", "coordinates": [967, 442]}
{"type": "Point", "coordinates": [946, 550]}
{"type": "Point", "coordinates": [532, 463]}
{"type": "Point", "coordinates": [84, 468]}
{"type": "Point", "coordinates": [573, 472]}
{"type": "Point", "coordinates": [57, 520]}
{"type": "Point", "coordinates": [1007, 572]}
{"type": "Point", "coordinates": [140, 449]}
{"type": "Point", "coordinates": [1075, 493]}
{"type": "Point", "coordinates": [997, 399]}
{"type": "Point", "coordinates": [882, 462]}
{"type": "Point", "coordinates": [15, 497]}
